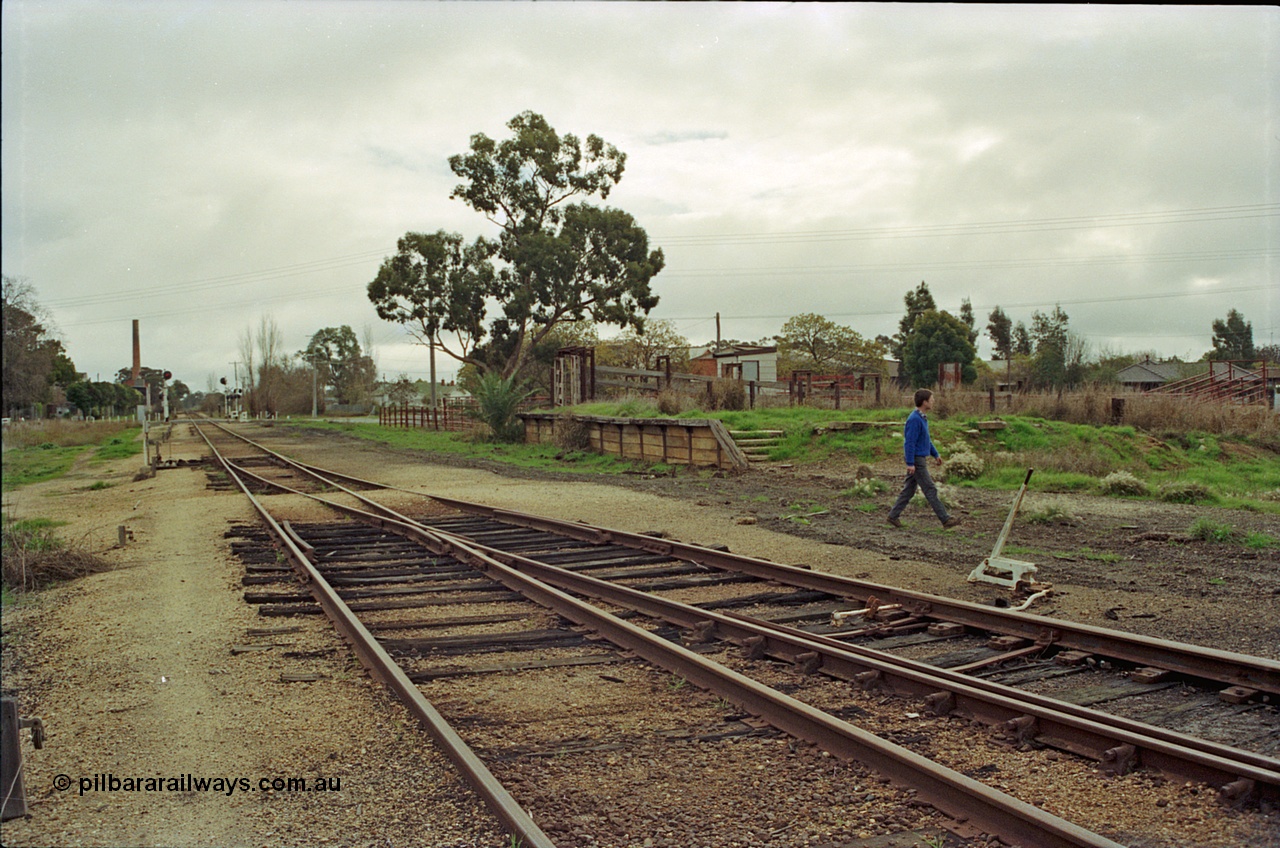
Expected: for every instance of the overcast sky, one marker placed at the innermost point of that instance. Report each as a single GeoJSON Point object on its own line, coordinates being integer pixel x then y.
{"type": "Point", "coordinates": [200, 165]}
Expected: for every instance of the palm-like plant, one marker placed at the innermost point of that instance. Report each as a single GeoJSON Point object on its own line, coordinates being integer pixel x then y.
{"type": "Point", "coordinates": [498, 399]}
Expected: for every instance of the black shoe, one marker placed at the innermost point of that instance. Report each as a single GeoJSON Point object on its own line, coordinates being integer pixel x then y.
{"type": "Point", "coordinates": [951, 522]}
{"type": "Point", "coordinates": [895, 522]}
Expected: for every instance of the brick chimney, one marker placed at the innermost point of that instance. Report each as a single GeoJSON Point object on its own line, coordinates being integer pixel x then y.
{"type": "Point", "coordinates": [137, 356]}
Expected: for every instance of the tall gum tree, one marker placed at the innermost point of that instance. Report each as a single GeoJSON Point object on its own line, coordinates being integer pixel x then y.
{"type": "Point", "coordinates": [554, 260]}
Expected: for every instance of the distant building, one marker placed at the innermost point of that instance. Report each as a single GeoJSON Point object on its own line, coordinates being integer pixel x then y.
{"type": "Point", "coordinates": [1147, 375]}
{"type": "Point", "coordinates": [747, 362]}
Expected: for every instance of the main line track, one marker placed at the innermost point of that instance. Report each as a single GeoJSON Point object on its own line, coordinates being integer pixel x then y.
{"type": "Point", "coordinates": [548, 561]}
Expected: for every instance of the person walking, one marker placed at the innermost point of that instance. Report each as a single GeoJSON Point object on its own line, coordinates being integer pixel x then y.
{"type": "Point", "coordinates": [917, 447]}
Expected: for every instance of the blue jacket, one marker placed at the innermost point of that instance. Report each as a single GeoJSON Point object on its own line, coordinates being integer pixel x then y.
{"type": "Point", "coordinates": [915, 438]}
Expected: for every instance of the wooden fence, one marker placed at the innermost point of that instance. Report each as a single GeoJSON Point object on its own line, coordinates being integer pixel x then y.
{"type": "Point", "coordinates": [454, 416]}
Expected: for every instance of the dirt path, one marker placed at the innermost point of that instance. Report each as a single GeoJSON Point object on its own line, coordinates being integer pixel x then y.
{"type": "Point", "coordinates": [136, 675]}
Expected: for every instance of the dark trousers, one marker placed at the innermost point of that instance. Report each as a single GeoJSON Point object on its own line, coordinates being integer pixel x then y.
{"type": "Point", "coordinates": [924, 482]}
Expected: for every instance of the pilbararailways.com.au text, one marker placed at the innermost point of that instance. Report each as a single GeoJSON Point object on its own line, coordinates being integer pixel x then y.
{"type": "Point", "coordinates": [191, 783]}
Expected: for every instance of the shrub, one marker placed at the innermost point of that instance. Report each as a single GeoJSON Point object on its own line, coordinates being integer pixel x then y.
{"type": "Point", "coordinates": [1122, 483]}
{"type": "Point", "coordinates": [1187, 492]}
{"type": "Point", "coordinates": [865, 488]}
{"type": "Point", "coordinates": [728, 394]}
{"type": "Point", "coordinates": [498, 399]}
{"type": "Point", "coordinates": [1208, 530]}
{"type": "Point", "coordinates": [670, 402]}
{"type": "Point", "coordinates": [965, 465]}
{"type": "Point", "coordinates": [34, 557]}
{"type": "Point", "coordinates": [1049, 515]}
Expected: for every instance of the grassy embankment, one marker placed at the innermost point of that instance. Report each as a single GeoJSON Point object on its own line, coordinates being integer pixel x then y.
{"type": "Point", "coordinates": [33, 554]}
{"type": "Point", "coordinates": [44, 450]}
{"type": "Point", "coordinates": [1228, 469]}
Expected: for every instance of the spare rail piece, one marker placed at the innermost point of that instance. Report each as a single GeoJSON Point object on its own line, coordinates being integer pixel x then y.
{"type": "Point", "coordinates": [380, 664]}
{"type": "Point", "coordinates": [1194, 661]}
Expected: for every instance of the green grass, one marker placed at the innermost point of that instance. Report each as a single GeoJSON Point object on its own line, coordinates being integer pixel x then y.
{"type": "Point", "coordinates": [1260, 541]}
{"type": "Point", "coordinates": [1208, 530]}
{"type": "Point", "coordinates": [23, 466]}
{"type": "Point", "coordinates": [1228, 472]}
{"type": "Point", "coordinates": [1098, 556]}
{"type": "Point", "coordinates": [119, 447]}
{"type": "Point", "coordinates": [32, 534]}
{"type": "Point", "coordinates": [545, 456]}
{"type": "Point", "coordinates": [36, 463]}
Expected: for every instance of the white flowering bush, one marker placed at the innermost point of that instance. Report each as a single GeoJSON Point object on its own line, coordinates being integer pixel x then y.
{"type": "Point", "coordinates": [1122, 483]}
{"type": "Point", "coordinates": [965, 465]}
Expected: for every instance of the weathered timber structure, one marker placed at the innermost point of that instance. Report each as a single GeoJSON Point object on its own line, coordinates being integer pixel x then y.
{"type": "Point", "coordinates": [677, 441]}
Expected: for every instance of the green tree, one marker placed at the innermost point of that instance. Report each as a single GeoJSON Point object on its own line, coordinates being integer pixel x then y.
{"type": "Point", "coordinates": [640, 347]}
{"type": "Point", "coordinates": [967, 316]}
{"type": "Point", "coordinates": [64, 372]}
{"type": "Point", "coordinates": [1059, 355]}
{"type": "Point", "coordinates": [152, 379]}
{"type": "Point", "coordinates": [556, 261]}
{"type": "Point", "coordinates": [340, 364]}
{"type": "Point", "coordinates": [1022, 343]}
{"type": "Point", "coordinates": [31, 352]}
{"type": "Point", "coordinates": [935, 338]}
{"type": "Point", "coordinates": [178, 392]}
{"type": "Point", "coordinates": [810, 341]}
{"type": "Point", "coordinates": [436, 283]}
{"type": "Point", "coordinates": [1000, 331]}
{"type": "Point", "coordinates": [1232, 338]}
{"type": "Point", "coordinates": [918, 302]}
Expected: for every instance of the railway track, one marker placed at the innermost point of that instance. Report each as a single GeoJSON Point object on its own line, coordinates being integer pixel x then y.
{"type": "Point", "coordinates": [723, 622]}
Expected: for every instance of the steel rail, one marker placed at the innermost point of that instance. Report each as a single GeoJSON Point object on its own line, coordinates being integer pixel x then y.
{"type": "Point", "coordinates": [1095, 734]}
{"type": "Point", "coordinates": [385, 669]}
{"type": "Point", "coordinates": [967, 801]}
{"type": "Point", "coordinates": [973, 806]}
{"type": "Point", "coordinates": [1077, 729]}
{"type": "Point", "coordinates": [1194, 661]}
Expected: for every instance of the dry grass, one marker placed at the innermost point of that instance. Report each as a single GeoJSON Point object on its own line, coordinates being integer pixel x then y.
{"type": "Point", "coordinates": [63, 434]}
{"type": "Point", "coordinates": [1154, 413]}
{"type": "Point", "coordinates": [572, 434]}
{"type": "Point", "coordinates": [33, 557]}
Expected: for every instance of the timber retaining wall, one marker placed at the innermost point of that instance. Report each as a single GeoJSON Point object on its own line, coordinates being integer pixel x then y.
{"type": "Point", "coordinates": [677, 441]}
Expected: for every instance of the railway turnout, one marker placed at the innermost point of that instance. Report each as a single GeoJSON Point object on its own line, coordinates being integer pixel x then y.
{"type": "Point", "coordinates": [708, 617]}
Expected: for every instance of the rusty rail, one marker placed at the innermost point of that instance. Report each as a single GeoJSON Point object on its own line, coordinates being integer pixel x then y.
{"type": "Point", "coordinates": [385, 669]}
{"type": "Point", "coordinates": [1194, 661]}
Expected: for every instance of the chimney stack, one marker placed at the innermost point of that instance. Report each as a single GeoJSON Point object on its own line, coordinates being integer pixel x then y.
{"type": "Point", "coordinates": [137, 355]}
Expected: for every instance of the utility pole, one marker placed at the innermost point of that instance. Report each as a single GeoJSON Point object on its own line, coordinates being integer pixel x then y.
{"type": "Point", "coordinates": [432, 347]}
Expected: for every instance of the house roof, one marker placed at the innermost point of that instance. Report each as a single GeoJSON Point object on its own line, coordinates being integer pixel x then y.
{"type": "Point", "coordinates": [1148, 371]}
{"type": "Point", "coordinates": [736, 350]}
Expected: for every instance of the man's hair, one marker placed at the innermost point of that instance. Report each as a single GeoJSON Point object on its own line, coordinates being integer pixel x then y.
{"type": "Point", "coordinates": [922, 395]}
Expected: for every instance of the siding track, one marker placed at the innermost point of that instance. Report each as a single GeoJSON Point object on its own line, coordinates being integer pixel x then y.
{"type": "Point", "coordinates": [629, 597]}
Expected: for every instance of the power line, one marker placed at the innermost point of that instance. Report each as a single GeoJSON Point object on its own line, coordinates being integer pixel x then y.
{"type": "Point", "coordinates": [1190, 215]}
{"type": "Point", "coordinates": [980, 307]}
{"type": "Point", "coordinates": [979, 264]}
{"type": "Point", "coordinates": [1129, 219]}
